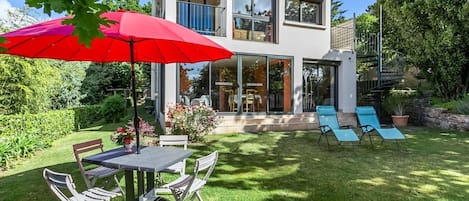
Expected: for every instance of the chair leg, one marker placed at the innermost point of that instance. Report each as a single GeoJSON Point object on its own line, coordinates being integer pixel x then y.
{"type": "Point", "coordinates": [118, 185]}
{"type": "Point", "coordinates": [319, 140]}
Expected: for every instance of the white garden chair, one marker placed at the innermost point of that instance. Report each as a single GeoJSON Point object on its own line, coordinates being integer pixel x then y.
{"type": "Point", "coordinates": [60, 181]}
{"type": "Point", "coordinates": [186, 185]}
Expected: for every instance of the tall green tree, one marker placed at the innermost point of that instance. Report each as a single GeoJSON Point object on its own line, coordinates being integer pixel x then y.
{"type": "Point", "coordinates": [337, 14]}
{"type": "Point", "coordinates": [132, 5]}
{"type": "Point", "coordinates": [433, 34]}
{"type": "Point", "coordinates": [26, 85]}
{"type": "Point", "coordinates": [68, 92]}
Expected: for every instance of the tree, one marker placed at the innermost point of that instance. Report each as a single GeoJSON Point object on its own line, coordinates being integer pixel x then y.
{"type": "Point", "coordinates": [101, 77]}
{"type": "Point", "coordinates": [71, 77]}
{"type": "Point", "coordinates": [132, 5]}
{"type": "Point", "coordinates": [26, 85]}
{"type": "Point", "coordinates": [86, 16]}
{"type": "Point", "coordinates": [337, 15]}
{"type": "Point", "coordinates": [433, 34]}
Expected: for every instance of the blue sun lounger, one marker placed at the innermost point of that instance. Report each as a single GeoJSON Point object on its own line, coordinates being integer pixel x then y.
{"type": "Point", "coordinates": [368, 122]}
{"type": "Point", "coordinates": [328, 124]}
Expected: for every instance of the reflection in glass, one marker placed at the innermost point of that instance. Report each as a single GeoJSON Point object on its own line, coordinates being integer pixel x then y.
{"type": "Point", "coordinates": [194, 83]}
{"type": "Point", "coordinates": [254, 79]}
{"type": "Point", "coordinates": [253, 23]}
{"type": "Point", "coordinates": [224, 85]}
{"type": "Point", "coordinates": [318, 86]}
{"type": "Point", "coordinates": [279, 85]}
{"type": "Point", "coordinates": [303, 11]}
{"type": "Point", "coordinates": [262, 7]}
{"type": "Point", "coordinates": [242, 7]}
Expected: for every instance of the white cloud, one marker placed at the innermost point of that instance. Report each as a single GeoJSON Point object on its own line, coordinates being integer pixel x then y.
{"type": "Point", "coordinates": [5, 6]}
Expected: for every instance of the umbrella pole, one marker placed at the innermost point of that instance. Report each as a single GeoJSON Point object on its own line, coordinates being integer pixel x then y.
{"type": "Point", "coordinates": [134, 95]}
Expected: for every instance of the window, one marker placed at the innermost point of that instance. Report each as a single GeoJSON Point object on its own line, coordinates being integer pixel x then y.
{"type": "Point", "coordinates": [241, 84]}
{"type": "Point", "coordinates": [304, 11]}
{"type": "Point", "coordinates": [253, 20]}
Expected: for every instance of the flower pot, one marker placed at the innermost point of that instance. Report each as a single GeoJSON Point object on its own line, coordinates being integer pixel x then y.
{"type": "Point", "coordinates": [400, 120]}
{"type": "Point", "coordinates": [128, 147]}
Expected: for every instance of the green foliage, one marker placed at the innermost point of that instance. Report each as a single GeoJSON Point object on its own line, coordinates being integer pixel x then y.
{"type": "Point", "coordinates": [194, 121]}
{"type": "Point", "coordinates": [132, 5]}
{"type": "Point", "coordinates": [462, 107]}
{"type": "Point", "coordinates": [68, 91]}
{"type": "Point", "coordinates": [87, 115]}
{"type": "Point", "coordinates": [23, 134]}
{"type": "Point", "coordinates": [337, 15]}
{"type": "Point", "coordinates": [113, 108]}
{"type": "Point", "coordinates": [85, 16]}
{"type": "Point", "coordinates": [397, 100]}
{"type": "Point", "coordinates": [454, 106]}
{"type": "Point", "coordinates": [100, 78]}
{"type": "Point", "coordinates": [26, 85]}
{"type": "Point", "coordinates": [433, 35]}
{"type": "Point", "coordinates": [367, 22]}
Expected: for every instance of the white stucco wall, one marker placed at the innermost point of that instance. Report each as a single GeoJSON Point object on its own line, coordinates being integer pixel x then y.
{"type": "Point", "coordinates": [294, 40]}
{"type": "Point", "coordinates": [347, 79]}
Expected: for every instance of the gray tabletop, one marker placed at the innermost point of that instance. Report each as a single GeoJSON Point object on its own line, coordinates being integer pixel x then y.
{"type": "Point", "coordinates": [150, 159]}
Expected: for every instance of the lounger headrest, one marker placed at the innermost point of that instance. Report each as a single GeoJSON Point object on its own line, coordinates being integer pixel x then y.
{"type": "Point", "coordinates": [365, 110]}
{"type": "Point", "coordinates": [325, 110]}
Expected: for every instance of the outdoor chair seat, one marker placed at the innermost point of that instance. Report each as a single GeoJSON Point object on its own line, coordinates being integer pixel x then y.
{"type": "Point", "coordinates": [328, 124]}
{"type": "Point", "coordinates": [369, 125]}
{"type": "Point", "coordinates": [60, 181]}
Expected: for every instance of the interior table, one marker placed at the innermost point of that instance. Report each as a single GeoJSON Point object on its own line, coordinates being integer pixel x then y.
{"type": "Point", "coordinates": [149, 161]}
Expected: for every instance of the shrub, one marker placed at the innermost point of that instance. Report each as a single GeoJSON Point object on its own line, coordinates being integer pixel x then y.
{"type": "Point", "coordinates": [113, 108]}
{"type": "Point", "coordinates": [194, 121]}
{"type": "Point", "coordinates": [86, 116]}
{"type": "Point", "coordinates": [397, 100]}
{"type": "Point", "coordinates": [462, 107]}
{"type": "Point", "coordinates": [23, 134]}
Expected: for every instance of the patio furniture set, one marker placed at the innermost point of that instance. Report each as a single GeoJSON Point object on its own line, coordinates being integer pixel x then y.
{"type": "Point", "coordinates": [368, 123]}
{"type": "Point", "coordinates": [163, 159]}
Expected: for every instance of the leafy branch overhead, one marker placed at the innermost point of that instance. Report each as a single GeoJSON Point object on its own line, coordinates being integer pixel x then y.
{"type": "Point", "coordinates": [85, 14]}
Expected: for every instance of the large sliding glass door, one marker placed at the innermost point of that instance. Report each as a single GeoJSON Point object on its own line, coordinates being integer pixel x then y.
{"type": "Point", "coordinates": [241, 84]}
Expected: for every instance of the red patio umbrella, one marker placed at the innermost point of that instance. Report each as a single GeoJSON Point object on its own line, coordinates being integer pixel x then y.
{"type": "Point", "coordinates": [133, 38]}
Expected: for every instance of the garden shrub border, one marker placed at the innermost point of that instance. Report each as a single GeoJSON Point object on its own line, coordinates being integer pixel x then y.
{"type": "Point", "coordinates": [23, 134]}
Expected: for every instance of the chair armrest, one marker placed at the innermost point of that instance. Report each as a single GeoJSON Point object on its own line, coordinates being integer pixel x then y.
{"type": "Point", "coordinates": [325, 128]}
{"type": "Point", "coordinates": [366, 128]}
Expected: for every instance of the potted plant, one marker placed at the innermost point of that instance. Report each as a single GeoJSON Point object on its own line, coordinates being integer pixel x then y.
{"type": "Point", "coordinates": [396, 103]}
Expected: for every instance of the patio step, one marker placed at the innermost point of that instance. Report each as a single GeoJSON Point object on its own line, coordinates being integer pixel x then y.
{"type": "Point", "coordinates": [289, 122]}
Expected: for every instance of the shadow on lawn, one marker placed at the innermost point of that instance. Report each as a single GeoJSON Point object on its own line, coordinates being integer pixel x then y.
{"type": "Point", "coordinates": [429, 166]}
{"type": "Point", "coordinates": [30, 185]}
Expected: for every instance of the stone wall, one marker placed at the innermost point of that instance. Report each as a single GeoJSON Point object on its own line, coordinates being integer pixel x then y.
{"type": "Point", "coordinates": [440, 118]}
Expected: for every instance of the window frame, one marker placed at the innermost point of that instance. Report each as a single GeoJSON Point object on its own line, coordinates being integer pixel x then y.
{"type": "Point", "coordinates": [253, 18]}
{"type": "Point", "coordinates": [320, 13]}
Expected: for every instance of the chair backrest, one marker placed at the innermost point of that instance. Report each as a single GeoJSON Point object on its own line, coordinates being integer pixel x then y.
{"type": "Point", "coordinates": [201, 164]}
{"type": "Point", "coordinates": [327, 116]}
{"type": "Point", "coordinates": [58, 181]}
{"type": "Point", "coordinates": [176, 140]}
{"type": "Point", "coordinates": [86, 147]}
{"type": "Point", "coordinates": [204, 163]}
{"type": "Point", "coordinates": [366, 115]}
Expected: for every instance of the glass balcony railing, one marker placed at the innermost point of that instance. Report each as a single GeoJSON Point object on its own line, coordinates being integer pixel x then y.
{"type": "Point", "coordinates": [203, 18]}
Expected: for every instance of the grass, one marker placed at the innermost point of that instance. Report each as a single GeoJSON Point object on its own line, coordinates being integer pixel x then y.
{"type": "Point", "coordinates": [432, 165]}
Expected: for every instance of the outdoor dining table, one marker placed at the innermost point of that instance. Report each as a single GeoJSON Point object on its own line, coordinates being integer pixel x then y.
{"type": "Point", "coordinates": [149, 161]}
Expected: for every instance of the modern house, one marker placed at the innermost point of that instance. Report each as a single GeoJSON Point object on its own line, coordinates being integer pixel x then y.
{"type": "Point", "coordinates": [284, 64]}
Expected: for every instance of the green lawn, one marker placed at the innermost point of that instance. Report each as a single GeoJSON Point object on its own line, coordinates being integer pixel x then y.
{"type": "Point", "coordinates": [432, 165]}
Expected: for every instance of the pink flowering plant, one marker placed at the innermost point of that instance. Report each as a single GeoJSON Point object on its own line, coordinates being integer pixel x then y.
{"type": "Point", "coordinates": [125, 135]}
{"type": "Point", "coordinates": [194, 121]}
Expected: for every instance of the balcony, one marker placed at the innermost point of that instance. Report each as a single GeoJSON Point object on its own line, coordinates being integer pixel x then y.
{"type": "Point", "coordinates": [203, 18]}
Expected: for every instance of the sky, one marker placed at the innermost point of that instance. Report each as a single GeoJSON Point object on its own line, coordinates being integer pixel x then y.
{"type": "Point", "coordinates": [352, 6]}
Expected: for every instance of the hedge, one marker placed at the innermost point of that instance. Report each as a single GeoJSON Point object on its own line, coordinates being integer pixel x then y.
{"type": "Point", "coordinates": [85, 116]}
{"type": "Point", "coordinates": [23, 134]}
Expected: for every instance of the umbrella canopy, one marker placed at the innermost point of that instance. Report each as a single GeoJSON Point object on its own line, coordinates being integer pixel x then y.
{"type": "Point", "coordinates": [133, 38]}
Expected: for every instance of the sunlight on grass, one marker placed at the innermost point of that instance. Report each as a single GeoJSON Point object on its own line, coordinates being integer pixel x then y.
{"type": "Point", "coordinates": [456, 174]}
{"type": "Point", "coordinates": [428, 189]}
{"type": "Point", "coordinates": [377, 181]}
{"type": "Point", "coordinates": [451, 152]}
{"type": "Point", "coordinates": [252, 148]}
{"type": "Point", "coordinates": [422, 173]}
